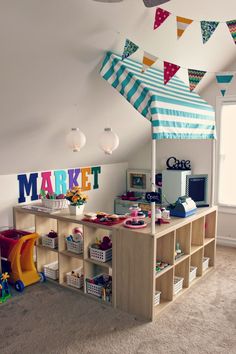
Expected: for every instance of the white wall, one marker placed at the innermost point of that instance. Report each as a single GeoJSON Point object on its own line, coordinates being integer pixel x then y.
{"type": "Point", "coordinates": [112, 182]}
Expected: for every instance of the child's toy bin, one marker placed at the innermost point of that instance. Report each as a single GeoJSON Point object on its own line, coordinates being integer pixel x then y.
{"type": "Point", "coordinates": [95, 289]}
{"type": "Point", "coordinates": [51, 270]}
{"type": "Point", "coordinates": [157, 297]}
{"type": "Point", "coordinates": [205, 263]}
{"type": "Point", "coordinates": [75, 281]}
{"type": "Point", "coordinates": [49, 242]}
{"type": "Point", "coordinates": [192, 273]}
{"type": "Point", "coordinates": [100, 255]}
{"type": "Point", "coordinates": [178, 284]}
{"type": "Point", "coordinates": [75, 247]}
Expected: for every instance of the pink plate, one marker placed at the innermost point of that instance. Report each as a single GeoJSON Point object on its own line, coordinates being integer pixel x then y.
{"type": "Point", "coordinates": [133, 226]}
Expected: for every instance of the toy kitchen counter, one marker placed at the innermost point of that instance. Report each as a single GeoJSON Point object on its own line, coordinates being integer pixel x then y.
{"type": "Point", "coordinates": [129, 269]}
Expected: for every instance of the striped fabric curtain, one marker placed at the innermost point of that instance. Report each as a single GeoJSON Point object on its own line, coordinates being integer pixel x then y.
{"type": "Point", "coordinates": [174, 111]}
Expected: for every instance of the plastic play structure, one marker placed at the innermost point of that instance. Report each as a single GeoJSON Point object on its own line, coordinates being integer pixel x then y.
{"type": "Point", "coordinates": [17, 249]}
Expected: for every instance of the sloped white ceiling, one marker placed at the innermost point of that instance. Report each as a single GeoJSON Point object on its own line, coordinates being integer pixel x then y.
{"type": "Point", "coordinates": [51, 52]}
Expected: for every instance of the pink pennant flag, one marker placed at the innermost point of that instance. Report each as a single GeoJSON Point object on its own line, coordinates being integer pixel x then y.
{"type": "Point", "coordinates": [169, 71]}
{"type": "Point", "coordinates": [160, 17]}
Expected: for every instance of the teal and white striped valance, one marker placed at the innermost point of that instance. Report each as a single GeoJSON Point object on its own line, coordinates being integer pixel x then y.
{"type": "Point", "coordinates": [174, 111]}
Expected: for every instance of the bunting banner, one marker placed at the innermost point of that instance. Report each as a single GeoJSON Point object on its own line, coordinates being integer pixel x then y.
{"type": "Point", "coordinates": [152, 3]}
{"type": "Point", "coordinates": [232, 28]}
{"type": "Point", "coordinates": [160, 17]}
{"type": "Point", "coordinates": [169, 71]}
{"type": "Point", "coordinates": [182, 24]}
{"type": "Point", "coordinates": [195, 77]}
{"type": "Point", "coordinates": [208, 28]}
{"type": "Point", "coordinates": [129, 49]}
{"type": "Point", "coordinates": [224, 80]}
{"type": "Point", "coordinates": [148, 60]}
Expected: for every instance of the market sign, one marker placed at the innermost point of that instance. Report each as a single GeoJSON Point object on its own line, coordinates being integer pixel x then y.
{"type": "Point", "coordinates": [57, 181]}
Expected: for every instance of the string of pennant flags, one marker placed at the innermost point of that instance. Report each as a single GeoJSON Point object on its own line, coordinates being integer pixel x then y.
{"type": "Point", "coordinates": [207, 27]}
{"type": "Point", "coordinates": [223, 79]}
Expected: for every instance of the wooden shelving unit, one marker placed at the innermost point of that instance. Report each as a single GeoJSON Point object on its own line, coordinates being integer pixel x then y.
{"type": "Point", "coordinates": [134, 255]}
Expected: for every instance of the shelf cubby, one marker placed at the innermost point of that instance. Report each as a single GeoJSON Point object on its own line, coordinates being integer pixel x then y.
{"type": "Point", "coordinates": [196, 261]}
{"type": "Point", "coordinates": [67, 264]}
{"type": "Point", "coordinates": [183, 238]}
{"type": "Point", "coordinates": [182, 270]}
{"type": "Point", "coordinates": [209, 251]}
{"type": "Point", "coordinates": [65, 229]}
{"type": "Point", "coordinates": [45, 255]}
{"type": "Point", "coordinates": [43, 225]}
{"type": "Point", "coordinates": [164, 284]}
{"type": "Point", "coordinates": [197, 232]}
{"type": "Point", "coordinates": [165, 248]}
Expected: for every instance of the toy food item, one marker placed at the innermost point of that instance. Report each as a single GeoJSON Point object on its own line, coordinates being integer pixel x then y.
{"type": "Point", "coordinates": [77, 235]}
{"type": "Point", "coordinates": [90, 216]}
{"type": "Point", "coordinates": [52, 234]}
{"type": "Point", "coordinates": [101, 214]}
{"type": "Point", "coordinates": [106, 243]}
{"type": "Point", "coordinates": [113, 217]}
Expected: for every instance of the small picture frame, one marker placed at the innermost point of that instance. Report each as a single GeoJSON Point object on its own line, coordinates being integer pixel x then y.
{"type": "Point", "coordinates": [138, 180]}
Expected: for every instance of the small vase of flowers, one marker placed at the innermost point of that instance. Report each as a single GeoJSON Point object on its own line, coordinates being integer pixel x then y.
{"type": "Point", "coordinates": [77, 200]}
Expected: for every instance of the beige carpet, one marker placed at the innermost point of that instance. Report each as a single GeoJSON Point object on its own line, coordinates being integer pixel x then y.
{"type": "Point", "coordinates": [49, 319]}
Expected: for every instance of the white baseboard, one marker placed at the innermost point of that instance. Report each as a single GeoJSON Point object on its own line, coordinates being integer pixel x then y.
{"type": "Point", "coordinates": [226, 241]}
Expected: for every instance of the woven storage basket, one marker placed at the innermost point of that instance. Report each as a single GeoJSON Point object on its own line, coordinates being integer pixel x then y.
{"type": "Point", "coordinates": [205, 263]}
{"type": "Point", "coordinates": [192, 273]}
{"type": "Point", "coordinates": [157, 297]}
{"type": "Point", "coordinates": [100, 255]}
{"type": "Point", "coordinates": [49, 242]}
{"type": "Point", "coordinates": [75, 281]}
{"type": "Point", "coordinates": [54, 203]}
{"type": "Point", "coordinates": [51, 270]}
{"type": "Point", "coordinates": [75, 247]}
{"type": "Point", "coordinates": [178, 284]}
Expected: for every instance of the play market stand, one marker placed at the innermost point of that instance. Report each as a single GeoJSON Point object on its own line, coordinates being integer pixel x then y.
{"type": "Point", "coordinates": [139, 287]}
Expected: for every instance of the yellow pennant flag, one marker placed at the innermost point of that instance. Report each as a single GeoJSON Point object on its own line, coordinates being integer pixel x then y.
{"type": "Point", "coordinates": [148, 61]}
{"type": "Point", "coordinates": [182, 24]}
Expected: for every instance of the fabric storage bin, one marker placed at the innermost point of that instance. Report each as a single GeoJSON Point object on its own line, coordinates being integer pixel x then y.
{"type": "Point", "coordinates": [51, 270]}
{"type": "Point", "coordinates": [157, 297]}
{"type": "Point", "coordinates": [49, 241]}
{"type": "Point", "coordinates": [75, 247]}
{"type": "Point", "coordinates": [178, 284]}
{"type": "Point", "coordinates": [205, 263]}
{"type": "Point", "coordinates": [192, 273]}
{"type": "Point", "coordinates": [75, 281]}
{"type": "Point", "coordinates": [100, 255]}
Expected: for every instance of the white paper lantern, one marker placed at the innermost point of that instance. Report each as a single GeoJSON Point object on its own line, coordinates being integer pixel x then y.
{"type": "Point", "coordinates": [108, 141]}
{"type": "Point", "coordinates": [76, 139]}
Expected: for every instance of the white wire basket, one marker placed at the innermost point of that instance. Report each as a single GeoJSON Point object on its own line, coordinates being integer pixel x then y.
{"type": "Point", "coordinates": [205, 263]}
{"type": "Point", "coordinates": [100, 255]}
{"type": "Point", "coordinates": [94, 289]}
{"type": "Point", "coordinates": [157, 297]}
{"type": "Point", "coordinates": [192, 273]}
{"type": "Point", "coordinates": [75, 281]}
{"type": "Point", "coordinates": [49, 241]}
{"type": "Point", "coordinates": [51, 270]}
{"type": "Point", "coordinates": [75, 247]}
{"type": "Point", "coordinates": [55, 203]}
{"type": "Point", "coordinates": [178, 284]}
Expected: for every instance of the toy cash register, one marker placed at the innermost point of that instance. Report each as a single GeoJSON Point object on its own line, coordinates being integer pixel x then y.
{"type": "Point", "coordinates": [183, 207]}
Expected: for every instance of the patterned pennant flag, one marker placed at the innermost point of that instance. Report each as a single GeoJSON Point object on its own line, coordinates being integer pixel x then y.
{"type": "Point", "coordinates": [224, 80]}
{"type": "Point", "coordinates": [160, 17]}
{"type": "Point", "coordinates": [152, 3]}
{"type": "Point", "coordinates": [182, 24]}
{"type": "Point", "coordinates": [148, 60]}
{"type": "Point", "coordinates": [195, 77]}
{"type": "Point", "coordinates": [208, 28]}
{"type": "Point", "coordinates": [169, 71]}
{"type": "Point", "coordinates": [232, 28]}
{"type": "Point", "coordinates": [129, 49]}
